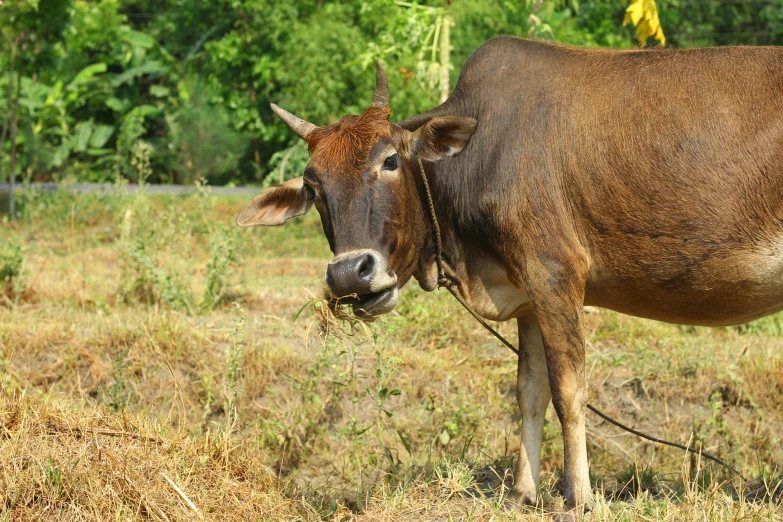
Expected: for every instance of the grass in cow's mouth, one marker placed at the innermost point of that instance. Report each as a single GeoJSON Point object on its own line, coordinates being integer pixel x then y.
{"type": "Point", "coordinates": [410, 417]}
{"type": "Point", "coordinates": [338, 308]}
{"type": "Point", "coordinates": [349, 308]}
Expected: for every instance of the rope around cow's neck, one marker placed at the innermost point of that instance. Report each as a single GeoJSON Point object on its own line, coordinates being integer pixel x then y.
{"type": "Point", "coordinates": [450, 284]}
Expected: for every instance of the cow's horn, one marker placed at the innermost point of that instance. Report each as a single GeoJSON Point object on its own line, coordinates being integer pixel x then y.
{"type": "Point", "coordinates": [300, 127]}
{"type": "Point", "coordinates": [381, 98]}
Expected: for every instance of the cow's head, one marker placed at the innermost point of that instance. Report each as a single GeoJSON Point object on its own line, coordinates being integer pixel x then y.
{"type": "Point", "coordinates": [362, 179]}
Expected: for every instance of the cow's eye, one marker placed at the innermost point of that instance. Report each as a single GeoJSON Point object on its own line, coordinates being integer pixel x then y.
{"type": "Point", "coordinates": [392, 162]}
{"type": "Point", "coordinates": [309, 192]}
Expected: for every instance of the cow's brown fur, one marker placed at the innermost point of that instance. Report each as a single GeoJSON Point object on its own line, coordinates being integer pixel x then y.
{"type": "Point", "coordinates": [649, 182]}
{"type": "Point", "coordinates": [345, 146]}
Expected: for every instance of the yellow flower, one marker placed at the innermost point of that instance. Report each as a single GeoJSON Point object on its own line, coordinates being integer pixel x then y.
{"type": "Point", "coordinates": [644, 15]}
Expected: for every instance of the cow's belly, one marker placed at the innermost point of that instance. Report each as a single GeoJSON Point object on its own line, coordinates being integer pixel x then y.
{"type": "Point", "coordinates": [727, 287]}
{"type": "Point", "coordinates": [731, 287]}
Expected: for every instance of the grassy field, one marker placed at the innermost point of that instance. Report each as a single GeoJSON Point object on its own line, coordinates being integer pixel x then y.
{"type": "Point", "coordinates": [152, 367]}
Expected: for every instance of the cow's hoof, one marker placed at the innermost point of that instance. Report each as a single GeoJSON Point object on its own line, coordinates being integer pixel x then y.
{"type": "Point", "coordinates": [519, 500]}
{"type": "Point", "coordinates": [574, 515]}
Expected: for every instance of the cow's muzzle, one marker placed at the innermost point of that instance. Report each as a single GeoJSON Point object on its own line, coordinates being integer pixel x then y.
{"type": "Point", "coordinates": [362, 279]}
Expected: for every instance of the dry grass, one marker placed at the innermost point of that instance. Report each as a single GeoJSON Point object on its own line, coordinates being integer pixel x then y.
{"type": "Point", "coordinates": [101, 398]}
{"type": "Point", "coordinates": [68, 462]}
{"type": "Point", "coordinates": [73, 462]}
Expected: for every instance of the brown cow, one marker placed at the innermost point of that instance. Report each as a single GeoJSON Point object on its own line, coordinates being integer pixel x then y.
{"type": "Point", "coordinates": [645, 181]}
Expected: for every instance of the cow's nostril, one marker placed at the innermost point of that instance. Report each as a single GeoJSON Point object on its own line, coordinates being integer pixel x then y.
{"type": "Point", "coordinates": [366, 266]}
{"type": "Point", "coordinates": [330, 276]}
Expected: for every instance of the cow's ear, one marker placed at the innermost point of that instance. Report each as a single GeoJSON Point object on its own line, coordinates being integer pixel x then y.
{"type": "Point", "coordinates": [439, 137]}
{"type": "Point", "coordinates": [276, 205]}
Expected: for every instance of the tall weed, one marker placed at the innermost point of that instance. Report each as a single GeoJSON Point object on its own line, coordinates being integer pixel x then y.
{"type": "Point", "coordinates": [234, 365]}
{"type": "Point", "coordinates": [147, 235]}
{"type": "Point", "coordinates": [118, 391]}
{"type": "Point", "coordinates": [222, 240]}
{"type": "Point", "coordinates": [156, 244]}
{"type": "Point", "coordinates": [348, 389]}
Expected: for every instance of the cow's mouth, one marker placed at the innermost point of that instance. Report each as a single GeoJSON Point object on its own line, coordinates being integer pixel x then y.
{"type": "Point", "coordinates": [373, 304]}
{"type": "Point", "coordinates": [363, 280]}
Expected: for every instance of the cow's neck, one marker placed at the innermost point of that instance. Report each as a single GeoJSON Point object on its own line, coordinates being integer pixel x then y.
{"type": "Point", "coordinates": [470, 255]}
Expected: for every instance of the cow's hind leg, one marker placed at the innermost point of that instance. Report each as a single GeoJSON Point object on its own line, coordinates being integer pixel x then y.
{"type": "Point", "coordinates": [533, 394]}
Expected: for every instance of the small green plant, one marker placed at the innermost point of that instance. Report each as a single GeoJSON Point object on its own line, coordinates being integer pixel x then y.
{"type": "Point", "coordinates": [138, 271]}
{"type": "Point", "coordinates": [209, 397]}
{"type": "Point", "coordinates": [385, 368]}
{"type": "Point", "coordinates": [118, 391]}
{"type": "Point", "coordinates": [11, 269]}
{"type": "Point", "coordinates": [635, 480]}
{"type": "Point", "coordinates": [140, 161]}
{"type": "Point", "coordinates": [231, 382]}
{"type": "Point", "coordinates": [293, 435]}
{"type": "Point", "coordinates": [146, 281]}
{"type": "Point", "coordinates": [349, 381]}
{"type": "Point", "coordinates": [234, 366]}
{"type": "Point", "coordinates": [54, 477]}
{"type": "Point", "coordinates": [222, 254]}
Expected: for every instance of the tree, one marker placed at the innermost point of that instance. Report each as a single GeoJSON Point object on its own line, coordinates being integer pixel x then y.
{"type": "Point", "coordinates": [30, 32]}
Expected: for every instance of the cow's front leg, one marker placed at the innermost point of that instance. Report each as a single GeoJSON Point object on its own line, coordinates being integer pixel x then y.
{"type": "Point", "coordinates": [533, 396]}
{"type": "Point", "coordinates": [558, 297]}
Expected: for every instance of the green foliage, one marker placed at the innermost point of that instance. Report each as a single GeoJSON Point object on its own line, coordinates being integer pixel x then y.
{"type": "Point", "coordinates": [597, 24]}
{"type": "Point", "coordinates": [194, 79]}
{"type": "Point", "coordinates": [287, 164]}
{"type": "Point", "coordinates": [11, 268]}
{"type": "Point", "coordinates": [207, 147]}
{"type": "Point", "coordinates": [36, 28]}
{"type": "Point", "coordinates": [715, 22]}
{"type": "Point", "coordinates": [154, 246]}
